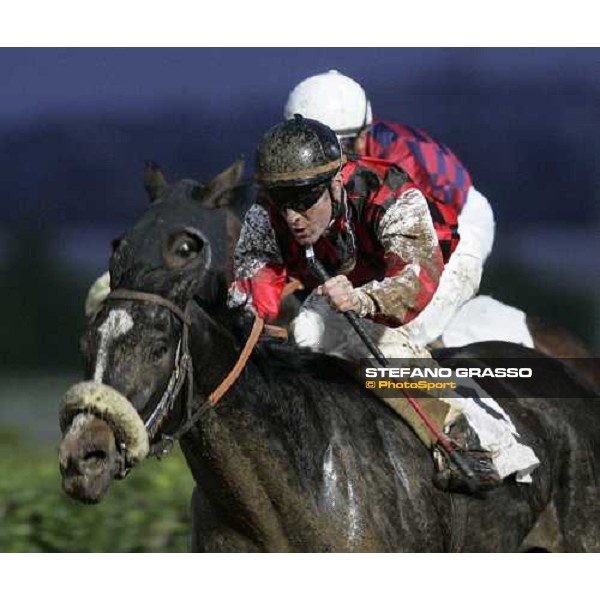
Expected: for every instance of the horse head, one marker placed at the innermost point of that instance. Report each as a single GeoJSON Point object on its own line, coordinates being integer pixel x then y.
{"type": "Point", "coordinates": [136, 346]}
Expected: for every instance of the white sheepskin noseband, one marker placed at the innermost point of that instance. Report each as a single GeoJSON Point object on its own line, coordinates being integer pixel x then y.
{"type": "Point", "coordinates": [106, 403]}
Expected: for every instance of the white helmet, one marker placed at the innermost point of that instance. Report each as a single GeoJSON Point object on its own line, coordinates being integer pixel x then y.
{"type": "Point", "coordinates": [333, 99]}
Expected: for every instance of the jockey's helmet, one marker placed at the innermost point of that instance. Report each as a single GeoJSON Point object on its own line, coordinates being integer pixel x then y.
{"type": "Point", "coordinates": [298, 152]}
{"type": "Point", "coordinates": [334, 99]}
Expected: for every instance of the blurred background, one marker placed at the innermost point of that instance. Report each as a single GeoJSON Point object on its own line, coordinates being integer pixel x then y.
{"type": "Point", "coordinates": [76, 126]}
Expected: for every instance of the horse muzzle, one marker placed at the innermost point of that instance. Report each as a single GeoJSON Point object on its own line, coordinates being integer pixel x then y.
{"type": "Point", "coordinates": [103, 437]}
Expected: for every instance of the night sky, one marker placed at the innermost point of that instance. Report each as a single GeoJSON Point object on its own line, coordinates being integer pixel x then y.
{"type": "Point", "coordinates": [39, 82]}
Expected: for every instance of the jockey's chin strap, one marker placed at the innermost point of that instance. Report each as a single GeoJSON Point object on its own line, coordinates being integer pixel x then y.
{"type": "Point", "coordinates": [183, 372]}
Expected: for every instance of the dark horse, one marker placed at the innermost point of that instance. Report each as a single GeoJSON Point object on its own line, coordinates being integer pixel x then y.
{"type": "Point", "coordinates": [295, 457]}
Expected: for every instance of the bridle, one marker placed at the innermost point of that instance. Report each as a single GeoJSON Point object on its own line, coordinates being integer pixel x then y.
{"type": "Point", "coordinates": [183, 372]}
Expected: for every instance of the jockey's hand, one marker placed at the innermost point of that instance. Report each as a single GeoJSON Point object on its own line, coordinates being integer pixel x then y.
{"type": "Point", "coordinates": [340, 294]}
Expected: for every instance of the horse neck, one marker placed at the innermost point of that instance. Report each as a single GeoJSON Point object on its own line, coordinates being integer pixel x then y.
{"type": "Point", "coordinates": [214, 351]}
{"type": "Point", "coordinates": [221, 449]}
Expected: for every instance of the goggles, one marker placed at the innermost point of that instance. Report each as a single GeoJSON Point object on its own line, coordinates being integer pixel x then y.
{"type": "Point", "coordinates": [298, 199]}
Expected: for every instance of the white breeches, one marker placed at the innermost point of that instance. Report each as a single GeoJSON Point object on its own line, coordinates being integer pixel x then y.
{"type": "Point", "coordinates": [483, 319]}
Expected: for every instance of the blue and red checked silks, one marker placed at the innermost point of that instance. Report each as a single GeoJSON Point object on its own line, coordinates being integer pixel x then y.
{"type": "Point", "coordinates": [430, 164]}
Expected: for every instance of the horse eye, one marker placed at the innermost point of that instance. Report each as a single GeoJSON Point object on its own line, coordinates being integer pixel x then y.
{"type": "Point", "coordinates": [181, 248]}
{"type": "Point", "coordinates": [186, 249]}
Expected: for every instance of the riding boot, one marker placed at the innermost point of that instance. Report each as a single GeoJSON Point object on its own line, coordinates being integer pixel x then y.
{"type": "Point", "coordinates": [452, 479]}
{"type": "Point", "coordinates": [465, 440]}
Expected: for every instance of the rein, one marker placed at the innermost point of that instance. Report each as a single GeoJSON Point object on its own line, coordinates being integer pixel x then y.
{"type": "Point", "coordinates": [183, 371]}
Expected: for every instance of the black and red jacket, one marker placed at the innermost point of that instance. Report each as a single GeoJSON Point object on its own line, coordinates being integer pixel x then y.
{"type": "Point", "coordinates": [382, 237]}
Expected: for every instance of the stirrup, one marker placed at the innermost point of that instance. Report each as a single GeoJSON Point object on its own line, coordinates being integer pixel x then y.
{"type": "Point", "coordinates": [450, 478]}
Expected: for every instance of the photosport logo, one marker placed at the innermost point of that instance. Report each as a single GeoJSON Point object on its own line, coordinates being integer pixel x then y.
{"type": "Point", "coordinates": [422, 377]}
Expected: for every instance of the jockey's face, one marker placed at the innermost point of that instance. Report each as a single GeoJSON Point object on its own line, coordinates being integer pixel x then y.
{"type": "Point", "coordinates": [308, 224]}
{"type": "Point", "coordinates": [360, 145]}
{"type": "Point", "coordinates": [356, 144]}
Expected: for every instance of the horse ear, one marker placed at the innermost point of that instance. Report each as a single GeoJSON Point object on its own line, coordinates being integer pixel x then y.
{"type": "Point", "coordinates": [154, 180]}
{"type": "Point", "coordinates": [220, 190]}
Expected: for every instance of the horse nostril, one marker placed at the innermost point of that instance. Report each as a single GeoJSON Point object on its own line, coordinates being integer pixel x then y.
{"type": "Point", "coordinates": [93, 457]}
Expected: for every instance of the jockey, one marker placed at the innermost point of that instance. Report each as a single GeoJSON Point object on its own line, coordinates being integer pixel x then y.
{"type": "Point", "coordinates": [342, 104]}
{"type": "Point", "coordinates": [371, 227]}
